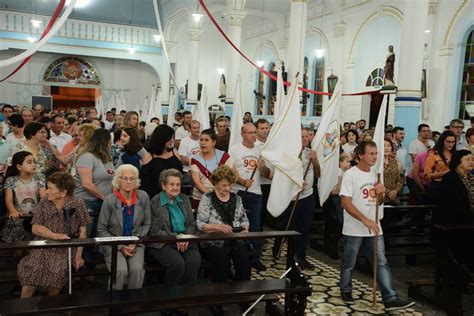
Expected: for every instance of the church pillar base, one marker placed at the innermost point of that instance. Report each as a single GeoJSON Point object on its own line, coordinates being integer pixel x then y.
{"type": "Point", "coordinates": [407, 115]}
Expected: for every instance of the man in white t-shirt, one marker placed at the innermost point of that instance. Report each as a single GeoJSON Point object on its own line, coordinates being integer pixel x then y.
{"type": "Point", "coordinates": [109, 120]}
{"type": "Point", "coordinates": [58, 138]}
{"type": "Point", "coordinates": [402, 153]}
{"type": "Point", "coordinates": [303, 214]}
{"type": "Point", "coordinates": [422, 143]}
{"type": "Point", "coordinates": [183, 131]}
{"type": "Point", "coordinates": [360, 193]}
{"type": "Point", "coordinates": [246, 156]}
{"type": "Point", "coordinates": [190, 145]}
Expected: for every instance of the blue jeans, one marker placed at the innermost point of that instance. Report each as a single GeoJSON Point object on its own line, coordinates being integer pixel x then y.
{"type": "Point", "coordinates": [301, 222]}
{"type": "Point", "coordinates": [253, 203]}
{"type": "Point", "coordinates": [352, 244]}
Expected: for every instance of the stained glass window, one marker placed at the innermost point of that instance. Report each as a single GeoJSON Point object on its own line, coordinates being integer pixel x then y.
{"type": "Point", "coordinates": [67, 69]}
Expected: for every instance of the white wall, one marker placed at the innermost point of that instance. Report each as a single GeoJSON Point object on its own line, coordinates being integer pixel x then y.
{"type": "Point", "coordinates": [116, 74]}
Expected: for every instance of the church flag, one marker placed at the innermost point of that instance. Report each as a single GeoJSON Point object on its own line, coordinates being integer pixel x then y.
{"type": "Point", "coordinates": [99, 107]}
{"type": "Point", "coordinates": [280, 95]}
{"type": "Point", "coordinates": [281, 151]}
{"type": "Point", "coordinates": [326, 144]}
{"type": "Point", "coordinates": [171, 109]}
{"type": "Point", "coordinates": [379, 136]}
{"type": "Point", "coordinates": [201, 112]}
{"type": "Point", "coordinates": [236, 121]}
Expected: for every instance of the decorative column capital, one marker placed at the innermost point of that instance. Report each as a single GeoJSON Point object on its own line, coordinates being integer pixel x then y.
{"type": "Point", "coordinates": [195, 34]}
{"type": "Point", "coordinates": [351, 64]}
{"type": "Point", "coordinates": [433, 7]}
{"type": "Point", "coordinates": [282, 43]}
{"type": "Point", "coordinates": [235, 17]}
{"type": "Point", "coordinates": [340, 29]}
{"type": "Point", "coordinates": [170, 44]}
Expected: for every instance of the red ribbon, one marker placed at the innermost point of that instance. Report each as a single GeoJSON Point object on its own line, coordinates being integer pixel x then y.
{"type": "Point", "coordinates": [45, 32]}
{"type": "Point", "coordinates": [267, 73]}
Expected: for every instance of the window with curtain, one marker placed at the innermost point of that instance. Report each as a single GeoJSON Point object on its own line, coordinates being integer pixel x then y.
{"type": "Point", "coordinates": [466, 102]}
{"type": "Point", "coordinates": [318, 86]}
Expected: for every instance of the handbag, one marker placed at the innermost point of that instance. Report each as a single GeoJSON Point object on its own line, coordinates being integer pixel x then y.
{"type": "Point", "coordinates": [14, 231]}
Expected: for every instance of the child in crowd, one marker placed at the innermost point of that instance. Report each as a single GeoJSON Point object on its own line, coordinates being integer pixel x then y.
{"type": "Point", "coordinates": [344, 165]}
{"type": "Point", "coordinates": [23, 189]}
{"type": "Point", "coordinates": [133, 152]}
{"type": "Point", "coordinates": [23, 186]}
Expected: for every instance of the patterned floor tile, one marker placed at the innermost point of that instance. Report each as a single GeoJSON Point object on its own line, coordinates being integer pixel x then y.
{"type": "Point", "coordinates": [326, 297]}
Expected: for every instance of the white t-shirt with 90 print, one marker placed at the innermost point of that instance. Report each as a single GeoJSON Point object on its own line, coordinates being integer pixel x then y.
{"type": "Point", "coordinates": [359, 185]}
{"type": "Point", "coordinates": [188, 147]}
{"type": "Point", "coordinates": [245, 161]}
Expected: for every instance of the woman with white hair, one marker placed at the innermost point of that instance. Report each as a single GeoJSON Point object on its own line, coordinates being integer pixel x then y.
{"type": "Point", "coordinates": [126, 212]}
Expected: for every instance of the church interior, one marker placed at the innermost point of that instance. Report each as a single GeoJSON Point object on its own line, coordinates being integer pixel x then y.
{"type": "Point", "coordinates": [417, 56]}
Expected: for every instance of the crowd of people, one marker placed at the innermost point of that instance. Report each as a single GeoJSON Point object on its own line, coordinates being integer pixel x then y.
{"type": "Point", "coordinates": [77, 175]}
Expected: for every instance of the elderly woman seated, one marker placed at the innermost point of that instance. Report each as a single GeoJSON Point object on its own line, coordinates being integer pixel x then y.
{"type": "Point", "coordinates": [171, 214]}
{"type": "Point", "coordinates": [126, 212]}
{"type": "Point", "coordinates": [222, 211]}
{"type": "Point", "coordinates": [60, 216]}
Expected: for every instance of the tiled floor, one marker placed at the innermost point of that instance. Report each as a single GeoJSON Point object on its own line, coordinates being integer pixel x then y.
{"type": "Point", "coordinates": [326, 299]}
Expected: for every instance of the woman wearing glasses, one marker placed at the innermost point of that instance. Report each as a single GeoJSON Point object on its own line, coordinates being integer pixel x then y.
{"type": "Point", "coordinates": [126, 212]}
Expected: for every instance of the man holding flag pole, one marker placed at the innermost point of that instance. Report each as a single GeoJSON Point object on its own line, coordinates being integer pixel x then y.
{"type": "Point", "coordinates": [361, 194]}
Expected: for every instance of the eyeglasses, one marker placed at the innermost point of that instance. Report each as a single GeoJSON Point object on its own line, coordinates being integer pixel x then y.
{"type": "Point", "coordinates": [132, 179]}
{"type": "Point", "coordinates": [254, 133]}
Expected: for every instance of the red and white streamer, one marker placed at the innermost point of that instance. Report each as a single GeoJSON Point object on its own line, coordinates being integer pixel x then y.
{"type": "Point", "coordinates": [48, 32]}
{"type": "Point", "coordinates": [261, 69]}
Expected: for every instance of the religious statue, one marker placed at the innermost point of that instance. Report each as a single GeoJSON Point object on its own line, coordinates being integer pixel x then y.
{"type": "Point", "coordinates": [222, 87]}
{"type": "Point", "coordinates": [181, 99]}
{"type": "Point", "coordinates": [389, 67]}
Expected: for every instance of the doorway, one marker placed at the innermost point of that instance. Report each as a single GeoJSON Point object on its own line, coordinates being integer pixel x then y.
{"type": "Point", "coordinates": [73, 98]}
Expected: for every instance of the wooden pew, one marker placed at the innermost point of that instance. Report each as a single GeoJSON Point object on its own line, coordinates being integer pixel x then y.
{"type": "Point", "coordinates": [294, 286]}
{"type": "Point", "coordinates": [452, 276]}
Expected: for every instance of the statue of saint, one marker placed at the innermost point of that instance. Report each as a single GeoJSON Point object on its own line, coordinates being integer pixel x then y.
{"type": "Point", "coordinates": [222, 87]}
{"type": "Point", "coordinates": [389, 67]}
{"type": "Point", "coordinates": [181, 99]}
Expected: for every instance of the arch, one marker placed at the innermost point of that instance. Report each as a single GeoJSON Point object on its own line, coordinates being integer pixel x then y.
{"type": "Point", "coordinates": [267, 44]}
{"type": "Point", "coordinates": [383, 10]}
{"type": "Point", "coordinates": [456, 28]}
{"type": "Point", "coordinates": [67, 68]}
{"type": "Point", "coordinates": [313, 30]}
{"type": "Point", "coordinates": [174, 19]}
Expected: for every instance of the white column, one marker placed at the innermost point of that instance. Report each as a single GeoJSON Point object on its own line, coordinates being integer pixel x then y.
{"type": "Point", "coordinates": [194, 37]}
{"type": "Point", "coordinates": [408, 100]}
{"type": "Point", "coordinates": [234, 17]}
{"type": "Point", "coordinates": [337, 49]}
{"type": "Point", "coordinates": [296, 42]}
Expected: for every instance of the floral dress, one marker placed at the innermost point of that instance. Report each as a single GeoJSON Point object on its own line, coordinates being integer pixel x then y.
{"type": "Point", "coordinates": [48, 267]}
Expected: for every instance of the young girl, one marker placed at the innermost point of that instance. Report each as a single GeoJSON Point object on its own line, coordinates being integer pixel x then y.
{"type": "Point", "coordinates": [344, 165]}
{"type": "Point", "coordinates": [23, 186]}
{"type": "Point", "coordinates": [133, 152]}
